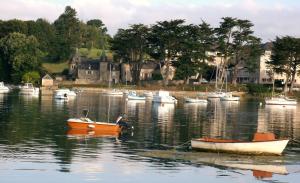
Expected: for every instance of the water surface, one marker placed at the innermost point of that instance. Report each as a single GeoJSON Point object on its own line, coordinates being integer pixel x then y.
{"type": "Point", "coordinates": [37, 146]}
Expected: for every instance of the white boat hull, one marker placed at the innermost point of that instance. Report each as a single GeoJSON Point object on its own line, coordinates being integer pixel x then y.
{"type": "Point", "coordinates": [275, 147]}
{"type": "Point", "coordinates": [195, 100]}
{"type": "Point", "coordinates": [230, 98]}
{"type": "Point", "coordinates": [280, 101]}
{"type": "Point", "coordinates": [164, 97]}
{"type": "Point", "coordinates": [166, 100]}
{"type": "Point", "coordinates": [130, 97]}
{"type": "Point", "coordinates": [216, 95]}
{"type": "Point", "coordinates": [64, 94]}
{"type": "Point", "coordinates": [30, 91]}
{"type": "Point", "coordinates": [4, 90]}
{"type": "Point", "coordinates": [114, 93]}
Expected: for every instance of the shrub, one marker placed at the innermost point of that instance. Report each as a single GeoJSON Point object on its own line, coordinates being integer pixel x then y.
{"type": "Point", "coordinates": [31, 77]}
{"type": "Point", "coordinates": [258, 88]}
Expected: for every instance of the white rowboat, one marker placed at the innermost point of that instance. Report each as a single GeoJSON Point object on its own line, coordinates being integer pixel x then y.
{"type": "Point", "coordinates": [275, 147]}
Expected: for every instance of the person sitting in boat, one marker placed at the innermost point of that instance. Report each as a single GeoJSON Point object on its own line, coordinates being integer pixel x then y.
{"type": "Point", "coordinates": [121, 120]}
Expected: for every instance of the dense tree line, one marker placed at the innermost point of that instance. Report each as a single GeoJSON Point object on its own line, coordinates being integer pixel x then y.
{"type": "Point", "coordinates": [185, 46]}
{"type": "Point", "coordinates": [24, 45]}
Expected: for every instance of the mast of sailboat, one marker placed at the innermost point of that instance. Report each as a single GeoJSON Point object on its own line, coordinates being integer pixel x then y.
{"type": "Point", "coordinates": [273, 87]}
{"type": "Point", "coordinates": [109, 80]}
{"type": "Point", "coordinates": [216, 84]}
{"type": "Point", "coordinates": [109, 83]}
{"type": "Point", "coordinates": [225, 80]}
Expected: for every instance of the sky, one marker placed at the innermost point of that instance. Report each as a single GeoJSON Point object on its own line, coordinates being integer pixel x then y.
{"type": "Point", "coordinates": [271, 18]}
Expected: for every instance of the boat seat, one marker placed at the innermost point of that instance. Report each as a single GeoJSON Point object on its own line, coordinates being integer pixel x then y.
{"type": "Point", "coordinates": [86, 119]}
{"type": "Point", "coordinates": [205, 139]}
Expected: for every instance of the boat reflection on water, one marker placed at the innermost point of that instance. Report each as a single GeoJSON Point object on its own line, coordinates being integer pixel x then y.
{"type": "Point", "coordinates": [261, 166]}
{"type": "Point", "coordinates": [133, 106]}
{"type": "Point", "coordinates": [83, 133]}
{"type": "Point", "coordinates": [273, 117]}
{"type": "Point", "coordinates": [164, 112]}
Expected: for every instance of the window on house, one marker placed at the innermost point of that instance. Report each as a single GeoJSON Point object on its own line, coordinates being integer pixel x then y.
{"type": "Point", "coordinates": [89, 72]}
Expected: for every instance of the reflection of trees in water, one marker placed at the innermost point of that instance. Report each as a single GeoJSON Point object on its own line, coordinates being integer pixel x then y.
{"type": "Point", "coordinates": [32, 132]}
{"type": "Point", "coordinates": [229, 119]}
{"type": "Point", "coordinates": [163, 121]}
{"type": "Point", "coordinates": [194, 118]}
{"type": "Point", "coordinates": [101, 107]}
{"type": "Point", "coordinates": [279, 119]}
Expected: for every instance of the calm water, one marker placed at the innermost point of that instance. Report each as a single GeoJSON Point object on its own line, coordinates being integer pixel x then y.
{"type": "Point", "coordinates": [36, 146]}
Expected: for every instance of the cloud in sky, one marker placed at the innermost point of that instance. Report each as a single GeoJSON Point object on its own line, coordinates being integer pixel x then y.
{"type": "Point", "coordinates": [270, 17]}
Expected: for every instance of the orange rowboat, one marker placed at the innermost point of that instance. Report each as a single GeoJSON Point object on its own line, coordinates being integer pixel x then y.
{"type": "Point", "coordinates": [84, 133]}
{"type": "Point", "coordinates": [86, 123]}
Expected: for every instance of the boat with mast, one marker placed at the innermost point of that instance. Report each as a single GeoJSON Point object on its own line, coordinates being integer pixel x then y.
{"type": "Point", "coordinates": [113, 92]}
{"type": "Point", "coordinates": [228, 95]}
{"type": "Point", "coordinates": [218, 92]}
{"type": "Point", "coordinates": [279, 100]}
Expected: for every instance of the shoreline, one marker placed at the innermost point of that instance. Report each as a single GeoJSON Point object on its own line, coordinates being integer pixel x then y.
{"type": "Point", "coordinates": [178, 93]}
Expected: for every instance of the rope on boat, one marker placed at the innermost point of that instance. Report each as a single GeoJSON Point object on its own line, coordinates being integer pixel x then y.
{"type": "Point", "coordinates": [182, 145]}
{"type": "Point", "coordinates": [294, 140]}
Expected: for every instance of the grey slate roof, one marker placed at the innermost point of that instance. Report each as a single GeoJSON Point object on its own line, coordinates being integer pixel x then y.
{"type": "Point", "coordinates": [89, 64]}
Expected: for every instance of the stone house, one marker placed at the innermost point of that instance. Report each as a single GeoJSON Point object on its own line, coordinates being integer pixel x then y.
{"type": "Point", "coordinates": [93, 71]}
{"type": "Point", "coordinates": [148, 70]}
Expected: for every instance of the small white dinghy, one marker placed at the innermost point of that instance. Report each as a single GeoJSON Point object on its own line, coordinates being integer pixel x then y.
{"type": "Point", "coordinates": [195, 100]}
{"type": "Point", "coordinates": [229, 97]}
{"type": "Point", "coordinates": [64, 94]}
{"type": "Point", "coordinates": [114, 92]}
{"type": "Point", "coordinates": [133, 96]}
{"type": "Point", "coordinates": [216, 94]}
{"type": "Point", "coordinates": [281, 100]}
{"type": "Point", "coordinates": [263, 143]}
{"type": "Point", "coordinates": [164, 97]}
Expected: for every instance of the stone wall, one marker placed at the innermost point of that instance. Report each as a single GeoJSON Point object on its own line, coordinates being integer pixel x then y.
{"type": "Point", "coordinates": [88, 74]}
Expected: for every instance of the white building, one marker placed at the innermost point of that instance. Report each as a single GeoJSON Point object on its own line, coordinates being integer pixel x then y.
{"type": "Point", "coordinates": [261, 75]}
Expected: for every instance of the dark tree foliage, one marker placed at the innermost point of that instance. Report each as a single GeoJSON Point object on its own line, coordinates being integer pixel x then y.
{"type": "Point", "coordinates": [45, 34]}
{"type": "Point", "coordinates": [196, 41]}
{"type": "Point", "coordinates": [67, 34]}
{"type": "Point", "coordinates": [10, 26]}
{"type": "Point", "coordinates": [19, 54]}
{"type": "Point", "coordinates": [286, 58]}
{"type": "Point", "coordinates": [130, 45]}
{"type": "Point", "coordinates": [237, 45]}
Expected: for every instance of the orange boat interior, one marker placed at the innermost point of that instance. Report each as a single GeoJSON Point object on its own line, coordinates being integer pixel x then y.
{"type": "Point", "coordinates": [258, 137]}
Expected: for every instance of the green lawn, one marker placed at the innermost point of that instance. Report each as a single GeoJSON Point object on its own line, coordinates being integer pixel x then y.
{"type": "Point", "coordinates": [94, 53]}
{"type": "Point", "coordinates": [55, 68]}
